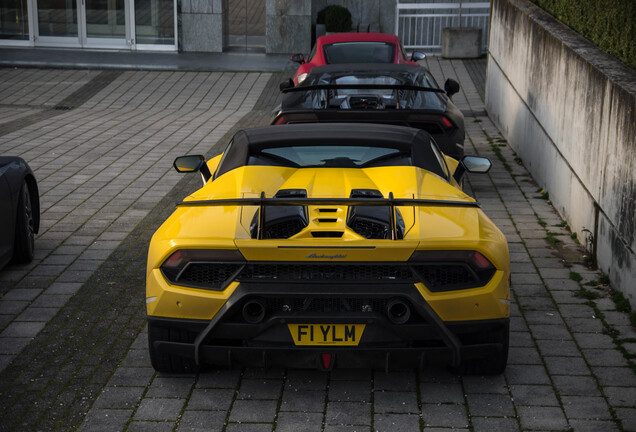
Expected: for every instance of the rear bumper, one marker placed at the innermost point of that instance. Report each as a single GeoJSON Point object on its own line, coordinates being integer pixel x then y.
{"type": "Point", "coordinates": [227, 340]}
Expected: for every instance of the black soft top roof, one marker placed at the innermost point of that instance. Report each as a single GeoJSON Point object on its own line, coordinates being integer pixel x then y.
{"type": "Point", "coordinates": [408, 140]}
{"type": "Point", "coordinates": [379, 68]}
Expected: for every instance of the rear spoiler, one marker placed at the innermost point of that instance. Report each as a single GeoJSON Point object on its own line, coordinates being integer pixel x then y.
{"type": "Point", "coordinates": [300, 88]}
{"type": "Point", "coordinates": [395, 87]}
{"type": "Point", "coordinates": [391, 202]}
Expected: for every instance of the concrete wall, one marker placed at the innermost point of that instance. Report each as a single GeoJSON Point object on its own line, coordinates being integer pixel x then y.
{"type": "Point", "coordinates": [379, 14]}
{"type": "Point", "coordinates": [201, 25]}
{"type": "Point", "coordinates": [288, 26]}
{"type": "Point", "coordinates": [569, 111]}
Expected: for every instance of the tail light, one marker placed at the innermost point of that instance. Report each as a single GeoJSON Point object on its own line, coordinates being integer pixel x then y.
{"type": "Point", "coordinates": [296, 118]}
{"type": "Point", "coordinates": [446, 123]}
{"type": "Point", "coordinates": [451, 270]}
{"type": "Point", "coordinates": [203, 268]}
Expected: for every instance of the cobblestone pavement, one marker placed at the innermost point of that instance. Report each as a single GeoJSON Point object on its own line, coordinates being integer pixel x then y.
{"type": "Point", "coordinates": [73, 341]}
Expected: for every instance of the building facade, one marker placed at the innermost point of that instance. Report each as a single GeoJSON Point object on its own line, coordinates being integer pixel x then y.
{"type": "Point", "coordinates": [271, 26]}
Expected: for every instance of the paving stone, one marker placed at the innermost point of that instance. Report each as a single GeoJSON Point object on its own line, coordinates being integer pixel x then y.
{"type": "Point", "coordinates": [621, 396]}
{"type": "Point", "coordinates": [298, 421]}
{"type": "Point", "coordinates": [396, 422]}
{"type": "Point", "coordinates": [494, 424]}
{"type": "Point", "coordinates": [575, 385]}
{"type": "Point", "coordinates": [349, 391]}
{"type": "Point", "coordinates": [586, 407]}
{"type": "Point", "coordinates": [628, 418]}
{"type": "Point", "coordinates": [201, 421]}
{"type": "Point", "coordinates": [248, 427]}
{"type": "Point", "coordinates": [167, 386]}
{"type": "Point", "coordinates": [394, 381]}
{"type": "Point", "coordinates": [120, 397]}
{"type": "Point", "coordinates": [261, 411]}
{"type": "Point", "coordinates": [602, 357]}
{"type": "Point", "coordinates": [99, 420]}
{"type": "Point", "coordinates": [348, 413]}
{"type": "Point", "coordinates": [22, 330]}
{"type": "Point", "coordinates": [594, 340]}
{"type": "Point", "coordinates": [443, 415]}
{"type": "Point", "coordinates": [395, 402]}
{"type": "Point", "coordinates": [150, 426]}
{"type": "Point", "coordinates": [542, 418]}
{"type": "Point", "coordinates": [519, 356]}
{"type": "Point", "coordinates": [441, 393]}
{"type": "Point", "coordinates": [559, 348]}
{"type": "Point", "coordinates": [210, 399]}
{"type": "Point", "coordinates": [566, 366]}
{"type": "Point", "coordinates": [614, 376]}
{"type": "Point", "coordinates": [36, 314]}
{"type": "Point", "coordinates": [260, 389]}
{"type": "Point", "coordinates": [22, 294]}
{"type": "Point", "coordinates": [484, 384]}
{"type": "Point", "coordinates": [526, 374]}
{"type": "Point", "coordinates": [132, 377]}
{"type": "Point", "coordinates": [490, 405]}
{"type": "Point", "coordinates": [159, 409]}
{"type": "Point", "coordinates": [306, 380]}
{"type": "Point", "coordinates": [534, 395]}
{"type": "Point", "coordinates": [303, 400]}
{"type": "Point", "coordinates": [593, 425]}
{"type": "Point", "coordinates": [13, 345]}
{"type": "Point", "coordinates": [438, 375]}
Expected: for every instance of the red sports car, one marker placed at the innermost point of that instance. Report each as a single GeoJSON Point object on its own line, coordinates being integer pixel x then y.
{"type": "Point", "coordinates": [353, 48]}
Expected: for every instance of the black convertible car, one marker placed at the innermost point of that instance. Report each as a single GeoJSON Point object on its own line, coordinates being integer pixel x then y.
{"type": "Point", "coordinates": [19, 211]}
{"type": "Point", "coordinates": [396, 94]}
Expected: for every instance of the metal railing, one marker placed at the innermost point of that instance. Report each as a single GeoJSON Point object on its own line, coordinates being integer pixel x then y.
{"type": "Point", "coordinates": [419, 25]}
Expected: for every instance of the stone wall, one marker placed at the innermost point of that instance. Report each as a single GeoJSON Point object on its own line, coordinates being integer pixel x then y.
{"type": "Point", "coordinates": [201, 25]}
{"type": "Point", "coordinates": [288, 26]}
{"type": "Point", "coordinates": [569, 111]}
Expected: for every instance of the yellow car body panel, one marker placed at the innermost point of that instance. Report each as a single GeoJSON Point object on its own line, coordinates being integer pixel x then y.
{"type": "Point", "coordinates": [429, 228]}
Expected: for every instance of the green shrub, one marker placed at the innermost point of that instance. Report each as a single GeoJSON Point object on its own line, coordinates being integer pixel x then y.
{"type": "Point", "coordinates": [609, 24]}
{"type": "Point", "coordinates": [336, 19]}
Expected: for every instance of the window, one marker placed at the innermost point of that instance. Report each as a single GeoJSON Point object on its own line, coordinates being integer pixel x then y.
{"type": "Point", "coordinates": [359, 52]}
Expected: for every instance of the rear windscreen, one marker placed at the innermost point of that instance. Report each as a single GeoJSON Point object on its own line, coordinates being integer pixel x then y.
{"type": "Point", "coordinates": [359, 52]}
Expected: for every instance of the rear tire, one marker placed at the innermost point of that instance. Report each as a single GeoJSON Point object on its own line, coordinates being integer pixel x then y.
{"type": "Point", "coordinates": [24, 243]}
{"type": "Point", "coordinates": [493, 364]}
{"type": "Point", "coordinates": [170, 363]}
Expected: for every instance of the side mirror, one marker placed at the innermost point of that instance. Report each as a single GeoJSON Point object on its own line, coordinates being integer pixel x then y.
{"type": "Point", "coordinates": [451, 87]}
{"type": "Point", "coordinates": [417, 56]}
{"type": "Point", "coordinates": [188, 164]}
{"type": "Point", "coordinates": [192, 163]}
{"type": "Point", "coordinates": [288, 83]}
{"type": "Point", "coordinates": [298, 58]}
{"type": "Point", "coordinates": [472, 164]}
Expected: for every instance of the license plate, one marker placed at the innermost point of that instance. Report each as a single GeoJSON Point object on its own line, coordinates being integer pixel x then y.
{"type": "Point", "coordinates": [326, 334]}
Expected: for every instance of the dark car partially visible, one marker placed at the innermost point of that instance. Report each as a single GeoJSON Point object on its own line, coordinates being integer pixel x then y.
{"type": "Point", "coordinates": [19, 211]}
{"type": "Point", "coordinates": [396, 94]}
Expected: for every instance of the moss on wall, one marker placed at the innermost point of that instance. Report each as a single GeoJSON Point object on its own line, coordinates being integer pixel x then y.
{"type": "Point", "coordinates": [610, 24]}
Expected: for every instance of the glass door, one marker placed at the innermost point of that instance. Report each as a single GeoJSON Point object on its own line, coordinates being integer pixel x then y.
{"type": "Point", "coordinates": [148, 25]}
{"type": "Point", "coordinates": [57, 23]}
{"type": "Point", "coordinates": [105, 24]}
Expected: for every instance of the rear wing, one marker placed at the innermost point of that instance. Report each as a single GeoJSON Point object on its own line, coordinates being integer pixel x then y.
{"type": "Point", "coordinates": [391, 202]}
{"type": "Point", "coordinates": [396, 87]}
{"type": "Point", "coordinates": [300, 88]}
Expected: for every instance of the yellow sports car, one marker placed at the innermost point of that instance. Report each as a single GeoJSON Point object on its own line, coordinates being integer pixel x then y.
{"type": "Point", "coordinates": [329, 245]}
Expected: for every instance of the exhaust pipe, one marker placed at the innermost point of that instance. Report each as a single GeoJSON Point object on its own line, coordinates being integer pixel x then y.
{"type": "Point", "coordinates": [254, 311]}
{"type": "Point", "coordinates": [398, 311]}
